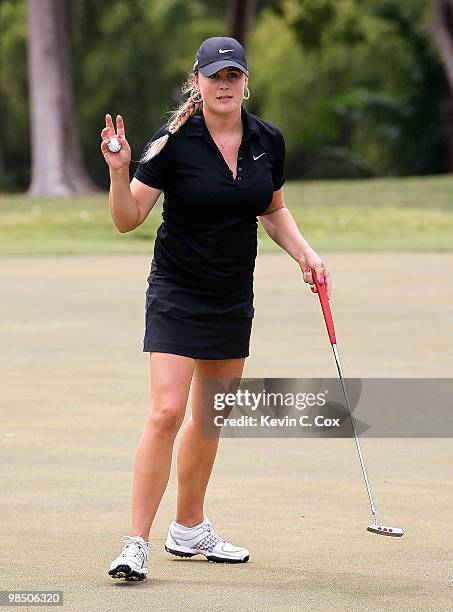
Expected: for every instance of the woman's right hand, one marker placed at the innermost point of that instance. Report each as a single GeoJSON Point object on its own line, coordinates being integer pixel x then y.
{"type": "Point", "coordinates": [121, 159]}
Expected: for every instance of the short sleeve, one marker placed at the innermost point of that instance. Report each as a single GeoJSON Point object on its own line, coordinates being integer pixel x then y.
{"type": "Point", "coordinates": [155, 172]}
{"type": "Point", "coordinates": [278, 169]}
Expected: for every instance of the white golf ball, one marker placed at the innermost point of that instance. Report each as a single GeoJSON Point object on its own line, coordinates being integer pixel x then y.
{"type": "Point", "coordinates": [114, 145]}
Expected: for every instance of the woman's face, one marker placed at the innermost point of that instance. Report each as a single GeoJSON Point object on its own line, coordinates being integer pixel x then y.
{"type": "Point", "coordinates": [223, 91]}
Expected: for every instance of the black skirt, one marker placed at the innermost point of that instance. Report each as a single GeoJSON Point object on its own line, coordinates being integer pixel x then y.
{"type": "Point", "coordinates": [195, 322]}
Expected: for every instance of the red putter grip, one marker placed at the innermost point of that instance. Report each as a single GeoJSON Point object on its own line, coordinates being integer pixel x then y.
{"type": "Point", "coordinates": [325, 307]}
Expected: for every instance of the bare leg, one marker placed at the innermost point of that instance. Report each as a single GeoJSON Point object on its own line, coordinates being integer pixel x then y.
{"type": "Point", "coordinates": [197, 453]}
{"type": "Point", "coordinates": [171, 376]}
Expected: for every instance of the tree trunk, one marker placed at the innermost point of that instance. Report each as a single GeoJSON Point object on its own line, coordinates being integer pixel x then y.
{"type": "Point", "coordinates": [57, 167]}
{"type": "Point", "coordinates": [442, 28]}
{"type": "Point", "coordinates": [239, 19]}
{"type": "Point", "coordinates": [449, 130]}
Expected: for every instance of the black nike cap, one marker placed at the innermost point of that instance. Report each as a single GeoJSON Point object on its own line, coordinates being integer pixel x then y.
{"type": "Point", "coordinates": [220, 52]}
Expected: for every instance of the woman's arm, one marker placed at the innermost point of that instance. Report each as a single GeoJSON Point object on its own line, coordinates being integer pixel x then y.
{"type": "Point", "coordinates": [280, 225]}
{"type": "Point", "coordinates": [131, 203]}
{"type": "Point", "coordinates": [123, 206]}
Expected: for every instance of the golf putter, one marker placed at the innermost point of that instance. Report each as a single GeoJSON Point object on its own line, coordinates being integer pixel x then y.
{"type": "Point", "coordinates": [374, 528]}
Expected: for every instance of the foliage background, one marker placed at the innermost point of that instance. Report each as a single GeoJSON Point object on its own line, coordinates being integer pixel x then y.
{"type": "Point", "coordinates": [356, 86]}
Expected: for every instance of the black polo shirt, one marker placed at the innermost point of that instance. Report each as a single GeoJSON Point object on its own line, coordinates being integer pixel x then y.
{"type": "Point", "coordinates": [208, 237]}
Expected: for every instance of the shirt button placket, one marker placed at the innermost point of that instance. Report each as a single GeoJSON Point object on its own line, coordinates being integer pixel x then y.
{"type": "Point", "coordinates": [240, 154]}
{"type": "Point", "coordinates": [239, 168]}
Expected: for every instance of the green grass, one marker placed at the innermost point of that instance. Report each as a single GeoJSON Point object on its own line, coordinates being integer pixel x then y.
{"type": "Point", "coordinates": [410, 214]}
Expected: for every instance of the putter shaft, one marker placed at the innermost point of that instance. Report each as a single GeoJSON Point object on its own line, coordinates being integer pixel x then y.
{"type": "Point", "coordinates": [356, 437]}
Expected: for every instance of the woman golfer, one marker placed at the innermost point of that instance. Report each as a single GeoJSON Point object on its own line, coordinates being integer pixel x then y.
{"type": "Point", "coordinates": [220, 167]}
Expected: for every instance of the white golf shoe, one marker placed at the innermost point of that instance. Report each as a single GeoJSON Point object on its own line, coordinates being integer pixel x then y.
{"type": "Point", "coordinates": [203, 540]}
{"type": "Point", "coordinates": [132, 562]}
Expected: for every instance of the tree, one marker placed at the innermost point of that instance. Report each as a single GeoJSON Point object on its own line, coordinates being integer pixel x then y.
{"type": "Point", "coordinates": [359, 117]}
{"type": "Point", "coordinates": [442, 27]}
{"type": "Point", "coordinates": [443, 34]}
{"type": "Point", "coordinates": [239, 19]}
{"type": "Point", "coordinates": [57, 167]}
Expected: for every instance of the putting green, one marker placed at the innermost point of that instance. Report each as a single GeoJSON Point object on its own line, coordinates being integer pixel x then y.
{"type": "Point", "coordinates": [75, 396]}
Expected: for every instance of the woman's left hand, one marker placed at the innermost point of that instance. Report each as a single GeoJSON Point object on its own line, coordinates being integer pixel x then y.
{"type": "Point", "coordinates": [311, 259]}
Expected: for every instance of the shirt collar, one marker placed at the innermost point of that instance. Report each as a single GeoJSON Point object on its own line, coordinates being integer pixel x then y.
{"type": "Point", "coordinates": [196, 125]}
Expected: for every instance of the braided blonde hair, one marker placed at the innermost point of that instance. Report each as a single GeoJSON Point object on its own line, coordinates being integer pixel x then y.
{"type": "Point", "coordinates": [177, 118]}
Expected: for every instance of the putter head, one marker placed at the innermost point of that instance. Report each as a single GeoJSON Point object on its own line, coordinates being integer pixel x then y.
{"type": "Point", "coordinates": [396, 532]}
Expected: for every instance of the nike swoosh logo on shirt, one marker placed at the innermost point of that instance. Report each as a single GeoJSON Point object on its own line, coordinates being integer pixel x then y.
{"type": "Point", "coordinates": [225, 50]}
{"type": "Point", "coordinates": [255, 158]}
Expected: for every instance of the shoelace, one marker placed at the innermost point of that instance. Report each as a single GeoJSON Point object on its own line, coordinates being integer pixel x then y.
{"type": "Point", "coordinates": [208, 524]}
{"type": "Point", "coordinates": [132, 541]}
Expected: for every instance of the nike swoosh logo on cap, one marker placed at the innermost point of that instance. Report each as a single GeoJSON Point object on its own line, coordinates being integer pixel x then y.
{"type": "Point", "coordinates": [225, 50]}
{"type": "Point", "coordinates": [255, 158]}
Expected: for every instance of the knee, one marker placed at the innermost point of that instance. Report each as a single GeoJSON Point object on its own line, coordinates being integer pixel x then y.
{"type": "Point", "coordinates": [166, 416]}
